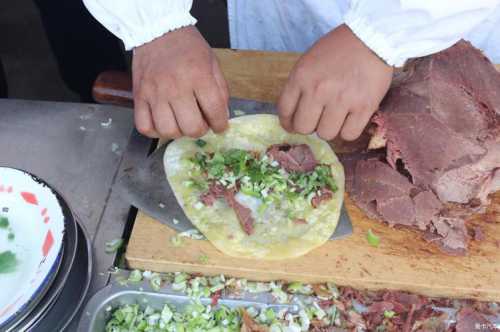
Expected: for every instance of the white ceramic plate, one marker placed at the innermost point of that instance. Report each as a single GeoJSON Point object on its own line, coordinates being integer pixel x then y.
{"type": "Point", "coordinates": [37, 221]}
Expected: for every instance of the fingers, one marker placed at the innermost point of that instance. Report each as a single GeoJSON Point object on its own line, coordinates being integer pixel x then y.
{"type": "Point", "coordinates": [306, 117]}
{"type": "Point", "coordinates": [189, 116]}
{"type": "Point", "coordinates": [143, 119]}
{"type": "Point", "coordinates": [287, 105]}
{"type": "Point", "coordinates": [355, 123]}
{"type": "Point", "coordinates": [213, 104]}
{"type": "Point", "coordinates": [164, 120]}
{"type": "Point", "coordinates": [221, 82]}
{"type": "Point", "coordinates": [331, 121]}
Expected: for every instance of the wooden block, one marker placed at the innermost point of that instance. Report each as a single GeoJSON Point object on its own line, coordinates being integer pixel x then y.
{"type": "Point", "coordinates": [403, 261]}
{"type": "Point", "coordinates": [256, 75]}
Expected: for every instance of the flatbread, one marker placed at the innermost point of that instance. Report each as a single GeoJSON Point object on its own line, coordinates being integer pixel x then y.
{"type": "Point", "coordinates": [277, 238]}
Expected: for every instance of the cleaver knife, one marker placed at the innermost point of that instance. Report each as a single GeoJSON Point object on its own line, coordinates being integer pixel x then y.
{"type": "Point", "coordinates": [145, 186]}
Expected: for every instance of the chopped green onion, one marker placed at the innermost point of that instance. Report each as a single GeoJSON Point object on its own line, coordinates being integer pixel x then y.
{"type": "Point", "coordinates": [11, 236]}
{"type": "Point", "coordinates": [239, 112]}
{"type": "Point", "coordinates": [373, 239]}
{"type": "Point", "coordinates": [176, 240]}
{"type": "Point", "coordinates": [192, 234]}
{"type": "Point", "coordinates": [155, 281]}
{"type": "Point", "coordinates": [135, 276]}
{"type": "Point", "coordinates": [201, 143]}
{"type": "Point", "coordinates": [203, 259]}
{"type": "Point", "coordinates": [389, 314]}
{"type": "Point", "coordinates": [113, 246]}
{"type": "Point", "coordinates": [300, 288]}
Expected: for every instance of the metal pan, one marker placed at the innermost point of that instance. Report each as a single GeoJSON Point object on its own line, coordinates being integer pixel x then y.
{"type": "Point", "coordinates": [97, 311]}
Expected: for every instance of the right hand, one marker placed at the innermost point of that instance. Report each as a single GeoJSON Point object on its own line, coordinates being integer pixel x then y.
{"type": "Point", "coordinates": [179, 89]}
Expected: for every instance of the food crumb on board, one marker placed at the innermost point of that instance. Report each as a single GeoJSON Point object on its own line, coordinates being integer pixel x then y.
{"type": "Point", "coordinates": [107, 124]}
{"type": "Point", "coordinates": [203, 258]}
{"type": "Point", "coordinates": [373, 239]}
{"type": "Point", "coordinates": [113, 245]}
{"type": "Point", "coordinates": [239, 112]}
{"type": "Point", "coordinates": [82, 128]}
{"type": "Point", "coordinates": [161, 205]}
{"type": "Point", "coordinates": [175, 221]}
{"type": "Point", "coordinates": [115, 148]}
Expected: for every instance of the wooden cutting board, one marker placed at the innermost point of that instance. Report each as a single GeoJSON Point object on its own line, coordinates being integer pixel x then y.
{"type": "Point", "coordinates": [403, 261]}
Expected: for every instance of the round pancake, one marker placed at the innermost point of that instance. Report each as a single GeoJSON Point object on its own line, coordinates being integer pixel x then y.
{"type": "Point", "coordinates": [278, 237]}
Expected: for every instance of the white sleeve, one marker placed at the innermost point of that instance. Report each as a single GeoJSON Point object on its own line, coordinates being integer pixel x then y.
{"type": "Point", "coordinates": [397, 30]}
{"type": "Point", "coordinates": [139, 21]}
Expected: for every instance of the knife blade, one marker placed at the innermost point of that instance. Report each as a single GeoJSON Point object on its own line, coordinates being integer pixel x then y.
{"type": "Point", "coordinates": [146, 186]}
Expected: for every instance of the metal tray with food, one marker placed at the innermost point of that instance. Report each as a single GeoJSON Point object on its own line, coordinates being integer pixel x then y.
{"type": "Point", "coordinates": [99, 310]}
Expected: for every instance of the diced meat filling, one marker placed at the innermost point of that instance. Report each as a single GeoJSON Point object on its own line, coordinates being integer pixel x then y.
{"type": "Point", "coordinates": [215, 191]}
{"type": "Point", "coordinates": [297, 158]}
{"type": "Point", "coordinates": [325, 195]}
{"type": "Point", "coordinates": [293, 158]}
{"type": "Point", "coordinates": [243, 213]}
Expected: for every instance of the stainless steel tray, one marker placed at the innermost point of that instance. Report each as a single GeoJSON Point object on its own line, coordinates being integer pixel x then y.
{"type": "Point", "coordinates": [97, 311]}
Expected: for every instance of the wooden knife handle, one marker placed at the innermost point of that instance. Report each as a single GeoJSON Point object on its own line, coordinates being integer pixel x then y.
{"type": "Point", "coordinates": [113, 87]}
{"type": "Point", "coordinates": [250, 74]}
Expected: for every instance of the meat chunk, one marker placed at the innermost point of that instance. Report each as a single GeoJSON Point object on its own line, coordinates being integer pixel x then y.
{"type": "Point", "coordinates": [468, 320]}
{"type": "Point", "coordinates": [243, 213]}
{"type": "Point", "coordinates": [440, 127]}
{"type": "Point", "coordinates": [325, 195]}
{"type": "Point", "coordinates": [215, 190]}
{"type": "Point", "coordinates": [293, 157]}
{"type": "Point", "coordinates": [377, 187]}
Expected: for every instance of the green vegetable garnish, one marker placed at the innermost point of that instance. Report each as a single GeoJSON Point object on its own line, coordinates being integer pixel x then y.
{"type": "Point", "coordinates": [8, 261]}
{"type": "Point", "coordinates": [11, 236]}
{"type": "Point", "coordinates": [373, 239]}
{"type": "Point", "coordinates": [176, 240]}
{"type": "Point", "coordinates": [203, 259]}
{"type": "Point", "coordinates": [135, 276]}
{"type": "Point", "coordinates": [4, 222]}
{"type": "Point", "coordinates": [259, 176]}
{"type": "Point", "coordinates": [201, 143]}
{"type": "Point", "coordinates": [155, 281]}
{"type": "Point", "coordinates": [389, 314]}
{"type": "Point", "coordinates": [113, 246]}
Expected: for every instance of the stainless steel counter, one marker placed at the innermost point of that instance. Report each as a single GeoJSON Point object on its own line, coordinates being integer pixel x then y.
{"type": "Point", "coordinates": [80, 149]}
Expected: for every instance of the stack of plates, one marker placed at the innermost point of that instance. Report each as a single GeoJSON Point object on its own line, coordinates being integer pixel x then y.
{"type": "Point", "coordinates": [45, 256]}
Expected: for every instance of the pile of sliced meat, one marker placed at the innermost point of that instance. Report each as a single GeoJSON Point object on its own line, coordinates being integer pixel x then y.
{"type": "Point", "coordinates": [434, 156]}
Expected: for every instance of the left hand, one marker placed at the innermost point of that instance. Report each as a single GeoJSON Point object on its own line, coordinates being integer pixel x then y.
{"type": "Point", "coordinates": [335, 87]}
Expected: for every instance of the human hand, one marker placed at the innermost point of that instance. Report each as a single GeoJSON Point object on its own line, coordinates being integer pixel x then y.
{"type": "Point", "coordinates": [335, 87]}
{"type": "Point", "coordinates": [179, 89]}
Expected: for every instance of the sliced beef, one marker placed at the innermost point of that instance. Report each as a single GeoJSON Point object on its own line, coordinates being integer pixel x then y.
{"type": "Point", "coordinates": [293, 157]}
{"type": "Point", "coordinates": [427, 206]}
{"type": "Point", "coordinates": [383, 192]}
{"type": "Point", "coordinates": [300, 221]}
{"type": "Point", "coordinates": [450, 234]}
{"type": "Point", "coordinates": [215, 191]}
{"type": "Point", "coordinates": [427, 146]}
{"type": "Point", "coordinates": [243, 213]}
{"type": "Point", "coordinates": [475, 180]}
{"type": "Point", "coordinates": [325, 195]}
{"type": "Point", "coordinates": [440, 127]}
{"type": "Point", "coordinates": [470, 320]}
